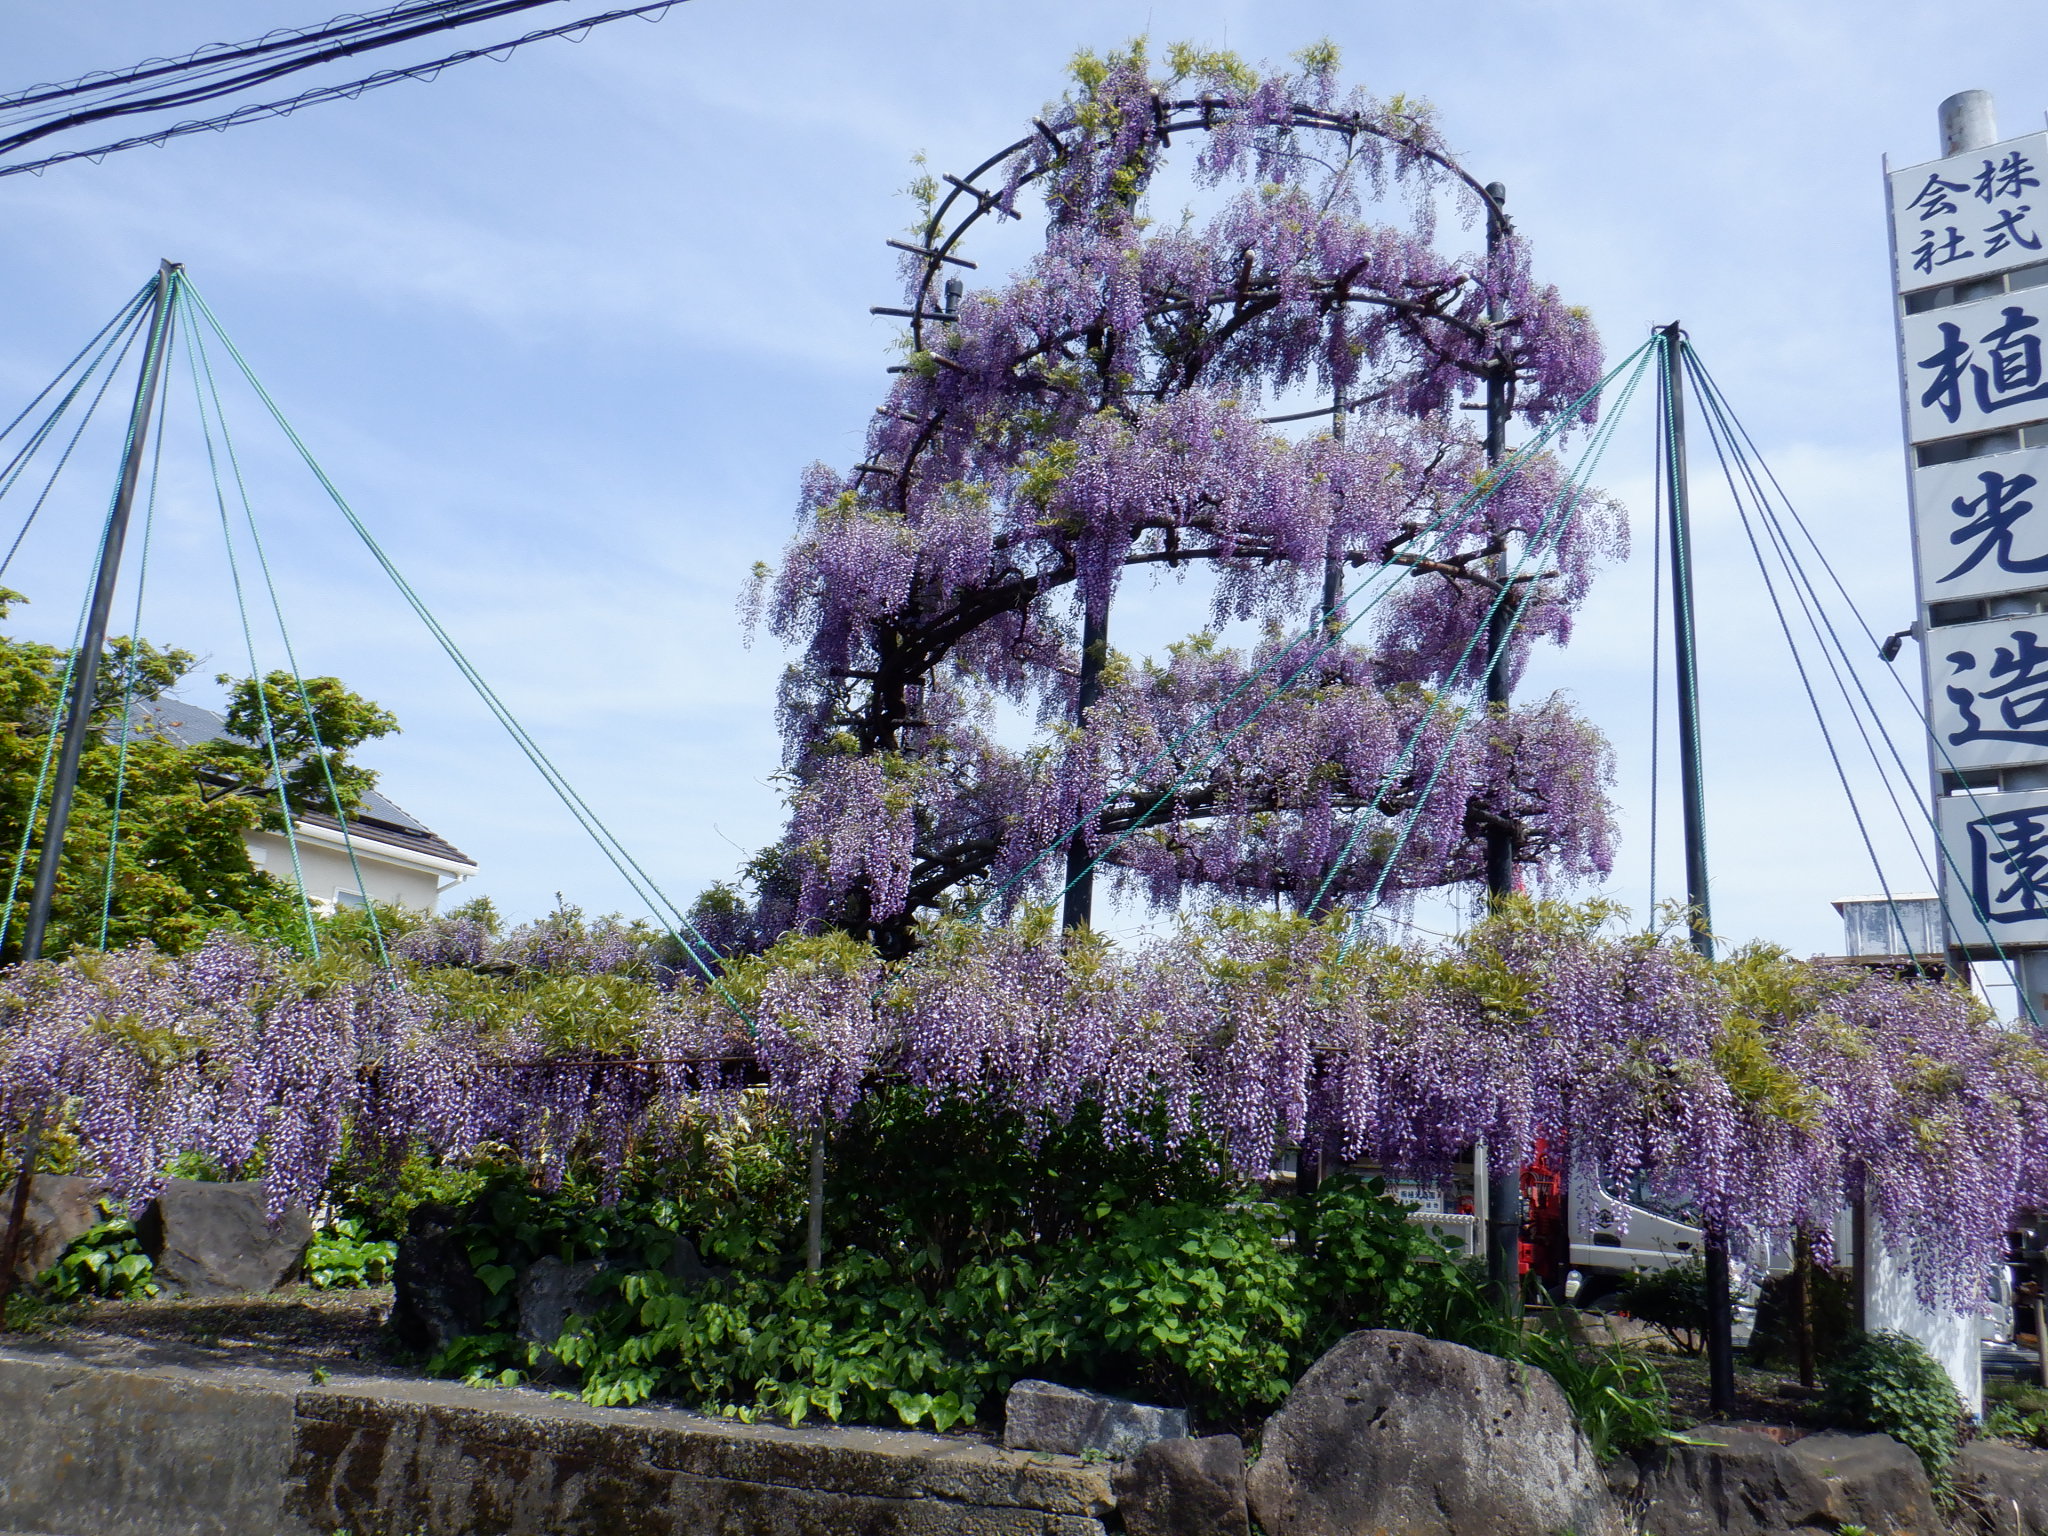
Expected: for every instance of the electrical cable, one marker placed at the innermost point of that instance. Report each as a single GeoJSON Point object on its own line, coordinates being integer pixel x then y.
{"type": "Point", "coordinates": [349, 92]}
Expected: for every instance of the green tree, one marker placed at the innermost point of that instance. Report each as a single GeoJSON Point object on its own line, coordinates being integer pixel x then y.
{"type": "Point", "coordinates": [180, 866]}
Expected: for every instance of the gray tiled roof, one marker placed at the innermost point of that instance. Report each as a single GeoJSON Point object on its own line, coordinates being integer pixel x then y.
{"type": "Point", "coordinates": [377, 817]}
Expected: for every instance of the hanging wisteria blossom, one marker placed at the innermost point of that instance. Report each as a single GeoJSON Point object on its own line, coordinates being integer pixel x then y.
{"type": "Point", "coordinates": [1098, 413]}
{"type": "Point", "coordinates": [1761, 1091]}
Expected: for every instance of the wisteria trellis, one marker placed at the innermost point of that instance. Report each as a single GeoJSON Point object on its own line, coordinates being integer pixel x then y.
{"type": "Point", "coordinates": [1763, 1090]}
{"type": "Point", "coordinates": [1097, 414]}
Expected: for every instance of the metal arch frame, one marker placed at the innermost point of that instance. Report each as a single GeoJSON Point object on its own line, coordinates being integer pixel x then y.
{"type": "Point", "coordinates": [1299, 116]}
{"type": "Point", "coordinates": [1199, 114]}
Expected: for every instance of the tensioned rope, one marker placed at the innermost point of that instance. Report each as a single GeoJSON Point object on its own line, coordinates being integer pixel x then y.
{"type": "Point", "coordinates": [677, 921]}
{"type": "Point", "coordinates": [311, 714]}
{"type": "Point", "coordinates": [1758, 473]}
{"type": "Point", "coordinates": [1557, 519]}
{"type": "Point", "coordinates": [124, 316]}
{"type": "Point", "coordinates": [287, 816]}
{"type": "Point", "coordinates": [1716, 436]}
{"type": "Point", "coordinates": [70, 679]}
{"type": "Point", "coordinates": [19, 466]}
{"type": "Point", "coordinates": [1319, 638]}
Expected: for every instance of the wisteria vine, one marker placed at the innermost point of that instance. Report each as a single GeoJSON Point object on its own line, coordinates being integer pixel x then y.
{"type": "Point", "coordinates": [1098, 413]}
{"type": "Point", "coordinates": [1762, 1091]}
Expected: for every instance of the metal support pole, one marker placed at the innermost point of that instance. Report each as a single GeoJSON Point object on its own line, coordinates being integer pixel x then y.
{"type": "Point", "coordinates": [1720, 1310]}
{"type": "Point", "coordinates": [1683, 642]}
{"type": "Point", "coordinates": [1079, 908]}
{"type": "Point", "coordinates": [1504, 1179]}
{"type": "Point", "coordinates": [85, 667]}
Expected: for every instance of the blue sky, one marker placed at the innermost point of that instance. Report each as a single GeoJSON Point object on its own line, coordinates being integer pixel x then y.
{"type": "Point", "coordinates": [567, 328]}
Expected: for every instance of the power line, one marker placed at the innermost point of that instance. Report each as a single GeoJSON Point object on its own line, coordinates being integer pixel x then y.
{"type": "Point", "coordinates": [202, 67]}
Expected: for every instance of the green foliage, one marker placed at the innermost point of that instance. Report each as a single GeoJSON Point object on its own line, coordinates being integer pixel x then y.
{"type": "Point", "coordinates": [311, 733]}
{"type": "Point", "coordinates": [180, 866]}
{"type": "Point", "coordinates": [2016, 1411]}
{"type": "Point", "coordinates": [1619, 1397]}
{"type": "Point", "coordinates": [342, 1256]}
{"type": "Point", "coordinates": [106, 1260]}
{"type": "Point", "coordinates": [1203, 1300]}
{"type": "Point", "coordinates": [1673, 1301]}
{"type": "Point", "coordinates": [1888, 1382]}
{"type": "Point", "coordinates": [1369, 1261]}
{"type": "Point", "coordinates": [968, 1247]}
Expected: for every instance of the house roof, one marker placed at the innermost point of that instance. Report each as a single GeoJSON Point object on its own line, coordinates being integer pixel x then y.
{"type": "Point", "coordinates": [378, 819]}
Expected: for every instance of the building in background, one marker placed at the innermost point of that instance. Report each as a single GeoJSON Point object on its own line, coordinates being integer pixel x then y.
{"type": "Point", "coordinates": [402, 861]}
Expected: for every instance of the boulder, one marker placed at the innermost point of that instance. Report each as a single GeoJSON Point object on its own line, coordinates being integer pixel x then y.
{"type": "Point", "coordinates": [1184, 1488]}
{"type": "Point", "coordinates": [2003, 1488]}
{"type": "Point", "coordinates": [549, 1293]}
{"type": "Point", "coordinates": [1734, 1481]}
{"type": "Point", "coordinates": [1044, 1416]}
{"type": "Point", "coordinates": [215, 1240]}
{"type": "Point", "coordinates": [62, 1208]}
{"type": "Point", "coordinates": [1397, 1435]}
{"type": "Point", "coordinates": [437, 1297]}
{"type": "Point", "coordinates": [685, 1270]}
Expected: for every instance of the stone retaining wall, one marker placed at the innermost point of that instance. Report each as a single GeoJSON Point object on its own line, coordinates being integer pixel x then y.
{"type": "Point", "coordinates": [121, 1439]}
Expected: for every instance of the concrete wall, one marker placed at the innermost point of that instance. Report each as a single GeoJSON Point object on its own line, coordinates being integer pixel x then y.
{"type": "Point", "coordinates": [118, 1439]}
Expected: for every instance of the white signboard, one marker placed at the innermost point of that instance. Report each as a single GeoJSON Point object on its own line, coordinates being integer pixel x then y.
{"type": "Point", "coordinates": [1977, 367]}
{"type": "Point", "coordinates": [1995, 874]}
{"type": "Point", "coordinates": [1972, 214]}
{"type": "Point", "coordinates": [1989, 683]}
{"type": "Point", "coordinates": [1983, 525]}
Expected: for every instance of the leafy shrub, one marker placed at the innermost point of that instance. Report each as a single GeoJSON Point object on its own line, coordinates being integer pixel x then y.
{"type": "Point", "coordinates": [966, 1247]}
{"type": "Point", "coordinates": [2015, 1411]}
{"type": "Point", "coordinates": [1888, 1382]}
{"type": "Point", "coordinates": [107, 1261]}
{"type": "Point", "coordinates": [1619, 1397]}
{"type": "Point", "coordinates": [343, 1257]}
{"type": "Point", "coordinates": [1673, 1301]}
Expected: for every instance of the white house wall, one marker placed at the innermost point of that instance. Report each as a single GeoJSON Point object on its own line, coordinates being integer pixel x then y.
{"type": "Point", "coordinates": [327, 871]}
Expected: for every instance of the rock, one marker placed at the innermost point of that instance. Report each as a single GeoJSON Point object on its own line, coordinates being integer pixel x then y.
{"type": "Point", "coordinates": [437, 1297]}
{"type": "Point", "coordinates": [686, 1270]}
{"type": "Point", "coordinates": [1397, 1434]}
{"type": "Point", "coordinates": [1184, 1488]}
{"type": "Point", "coordinates": [62, 1208]}
{"type": "Point", "coordinates": [550, 1292]}
{"type": "Point", "coordinates": [214, 1239]}
{"type": "Point", "coordinates": [1732, 1481]}
{"type": "Point", "coordinates": [1044, 1416]}
{"type": "Point", "coordinates": [2003, 1488]}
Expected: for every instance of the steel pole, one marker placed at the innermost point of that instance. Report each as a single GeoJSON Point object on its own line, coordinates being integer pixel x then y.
{"type": "Point", "coordinates": [1504, 1178]}
{"type": "Point", "coordinates": [1699, 918]}
{"type": "Point", "coordinates": [85, 666]}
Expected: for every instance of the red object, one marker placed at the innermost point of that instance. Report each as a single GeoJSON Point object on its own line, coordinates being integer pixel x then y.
{"type": "Point", "coordinates": [1544, 1238]}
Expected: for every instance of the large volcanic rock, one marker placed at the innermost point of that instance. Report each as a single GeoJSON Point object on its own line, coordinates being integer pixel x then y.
{"type": "Point", "coordinates": [215, 1240]}
{"type": "Point", "coordinates": [1392, 1434]}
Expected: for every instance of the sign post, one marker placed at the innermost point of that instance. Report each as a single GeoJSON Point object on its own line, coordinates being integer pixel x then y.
{"type": "Point", "coordinates": [1970, 266]}
{"type": "Point", "coordinates": [1969, 236]}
